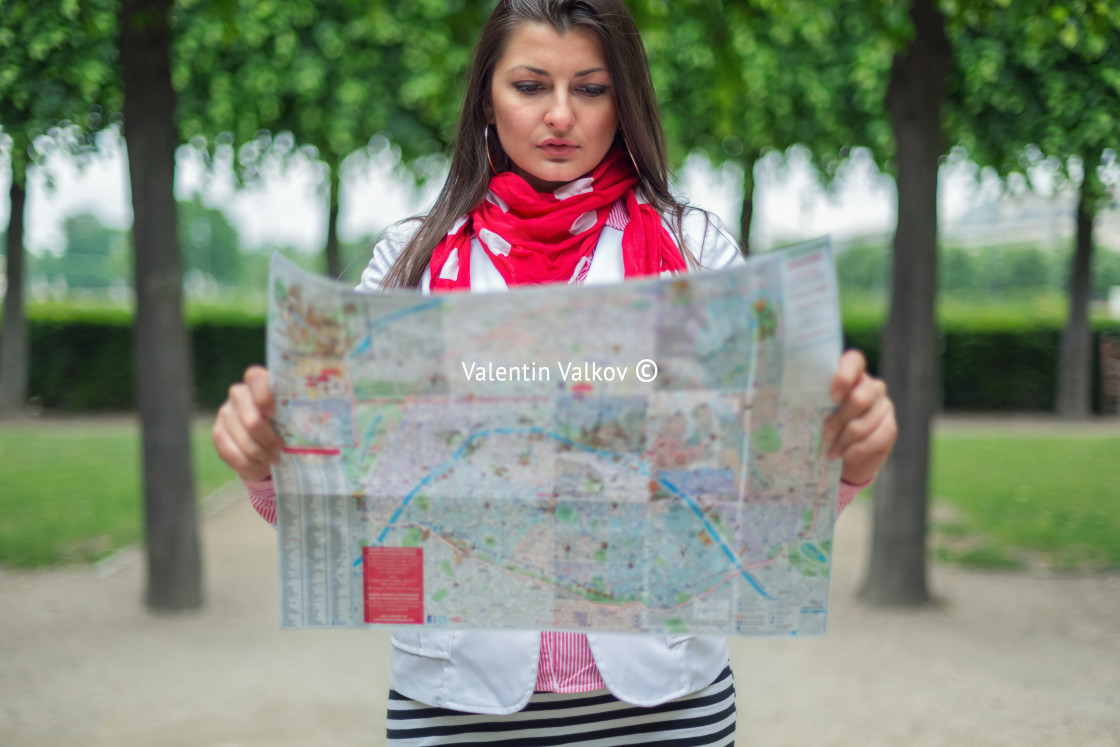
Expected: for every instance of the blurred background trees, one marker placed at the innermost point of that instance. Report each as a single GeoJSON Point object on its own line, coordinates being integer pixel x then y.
{"type": "Point", "coordinates": [211, 248]}
{"type": "Point", "coordinates": [322, 77]}
{"type": "Point", "coordinates": [58, 86]}
{"type": "Point", "coordinates": [1016, 88]}
{"type": "Point", "coordinates": [1040, 81]}
{"type": "Point", "coordinates": [737, 81]}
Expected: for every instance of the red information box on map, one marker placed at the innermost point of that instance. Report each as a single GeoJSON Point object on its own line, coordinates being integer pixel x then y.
{"type": "Point", "coordinates": [394, 585]}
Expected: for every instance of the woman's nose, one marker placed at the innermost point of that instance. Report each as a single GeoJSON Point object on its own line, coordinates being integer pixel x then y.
{"type": "Point", "coordinates": [559, 115]}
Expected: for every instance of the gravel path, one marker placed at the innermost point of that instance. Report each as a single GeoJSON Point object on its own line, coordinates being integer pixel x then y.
{"type": "Point", "coordinates": [1001, 659]}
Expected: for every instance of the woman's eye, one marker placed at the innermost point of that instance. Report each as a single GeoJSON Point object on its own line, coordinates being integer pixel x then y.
{"type": "Point", "coordinates": [594, 90]}
{"type": "Point", "coordinates": [527, 87]}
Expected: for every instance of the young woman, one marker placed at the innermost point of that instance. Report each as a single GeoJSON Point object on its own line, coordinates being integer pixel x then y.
{"type": "Point", "coordinates": [558, 174]}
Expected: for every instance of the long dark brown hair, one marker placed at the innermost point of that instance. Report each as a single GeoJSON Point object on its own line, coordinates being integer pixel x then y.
{"type": "Point", "coordinates": [638, 115]}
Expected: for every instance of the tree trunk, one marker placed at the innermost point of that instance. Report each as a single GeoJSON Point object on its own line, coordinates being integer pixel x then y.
{"type": "Point", "coordinates": [747, 213]}
{"type": "Point", "coordinates": [334, 260]}
{"type": "Point", "coordinates": [163, 366]}
{"type": "Point", "coordinates": [1075, 355]}
{"type": "Point", "coordinates": [15, 349]}
{"type": "Point", "coordinates": [897, 570]}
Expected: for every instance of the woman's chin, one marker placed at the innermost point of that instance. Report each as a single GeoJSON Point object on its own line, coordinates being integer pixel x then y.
{"type": "Point", "coordinates": [548, 180]}
{"type": "Point", "coordinates": [552, 176]}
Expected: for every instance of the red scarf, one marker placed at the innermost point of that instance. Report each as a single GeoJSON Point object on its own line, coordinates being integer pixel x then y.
{"type": "Point", "coordinates": [534, 237]}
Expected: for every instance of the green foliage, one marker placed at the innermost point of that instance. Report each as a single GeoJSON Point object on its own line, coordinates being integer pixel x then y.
{"type": "Point", "coordinates": [95, 256]}
{"type": "Point", "coordinates": [86, 236]}
{"type": "Point", "coordinates": [332, 73]}
{"type": "Point", "coordinates": [210, 243]}
{"type": "Point", "coordinates": [737, 78]}
{"type": "Point", "coordinates": [58, 78]}
{"type": "Point", "coordinates": [737, 81]}
{"type": "Point", "coordinates": [1106, 272]}
{"type": "Point", "coordinates": [866, 268]}
{"type": "Point", "coordinates": [1041, 84]}
{"type": "Point", "coordinates": [99, 257]}
{"type": "Point", "coordinates": [1038, 80]}
{"type": "Point", "coordinates": [333, 80]}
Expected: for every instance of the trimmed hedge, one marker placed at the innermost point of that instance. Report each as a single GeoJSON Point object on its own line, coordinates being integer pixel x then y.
{"type": "Point", "coordinates": [83, 361]}
{"type": "Point", "coordinates": [86, 363]}
{"type": "Point", "coordinates": [222, 351]}
{"type": "Point", "coordinates": [82, 364]}
{"type": "Point", "coordinates": [997, 366]}
{"type": "Point", "coordinates": [995, 369]}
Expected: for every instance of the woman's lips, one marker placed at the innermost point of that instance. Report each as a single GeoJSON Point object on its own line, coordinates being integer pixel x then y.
{"type": "Point", "coordinates": [557, 149]}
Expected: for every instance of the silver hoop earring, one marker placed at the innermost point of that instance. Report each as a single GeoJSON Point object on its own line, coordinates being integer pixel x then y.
{"type": "Point", "coordinates": [486, 144]}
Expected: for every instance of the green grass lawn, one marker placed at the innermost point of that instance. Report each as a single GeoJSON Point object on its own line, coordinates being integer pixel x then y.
{"type": "Point", "coordinates": [1018, 499]}
{"type": "Point", "coordinates": [70, 490]}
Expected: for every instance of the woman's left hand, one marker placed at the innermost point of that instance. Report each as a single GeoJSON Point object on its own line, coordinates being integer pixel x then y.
{"type": "Point", "coordinates": [862, 429]}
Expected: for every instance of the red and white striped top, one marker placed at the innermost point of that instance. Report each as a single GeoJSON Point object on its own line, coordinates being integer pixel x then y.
{"type": "Point", "coordinates": [618, 217]}
{"type": "Point", "coordinates": [567, 665]}
{"type": "Point", "coordinates": [566, 662]}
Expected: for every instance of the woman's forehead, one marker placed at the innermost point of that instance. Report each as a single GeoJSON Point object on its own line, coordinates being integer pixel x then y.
{"type": "Point", "coordinates": [540, 49]}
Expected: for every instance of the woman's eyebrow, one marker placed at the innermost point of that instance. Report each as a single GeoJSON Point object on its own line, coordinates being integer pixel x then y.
{"type": "Point", "coordinates": [538, 71]}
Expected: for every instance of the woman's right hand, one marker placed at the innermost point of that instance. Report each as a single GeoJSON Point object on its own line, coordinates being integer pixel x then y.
{"type": "Point", "coordinates": [243, 433]}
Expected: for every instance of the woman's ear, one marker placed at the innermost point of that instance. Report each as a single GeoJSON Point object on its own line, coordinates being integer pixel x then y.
{"type": "Point", "coordinates": [488, 109]}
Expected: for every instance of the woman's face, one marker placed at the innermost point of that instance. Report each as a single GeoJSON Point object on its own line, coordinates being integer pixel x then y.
{"type": "Point", "coordinates": [553, 104]}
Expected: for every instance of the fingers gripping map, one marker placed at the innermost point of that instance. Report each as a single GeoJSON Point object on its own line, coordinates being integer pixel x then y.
{"type": "Point", "coordinates": [642, 457]}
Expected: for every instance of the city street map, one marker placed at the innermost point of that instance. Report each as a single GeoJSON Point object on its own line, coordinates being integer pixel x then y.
{"type": "Point", "coordinates": [642, 457]}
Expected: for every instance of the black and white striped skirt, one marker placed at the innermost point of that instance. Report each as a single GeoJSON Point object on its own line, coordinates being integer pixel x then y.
{"type": "Point", "coordinates": [596, 719]}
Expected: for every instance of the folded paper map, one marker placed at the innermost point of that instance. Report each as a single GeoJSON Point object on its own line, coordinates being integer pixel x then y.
{"type": "Point", "coordinates": [643, 457]}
